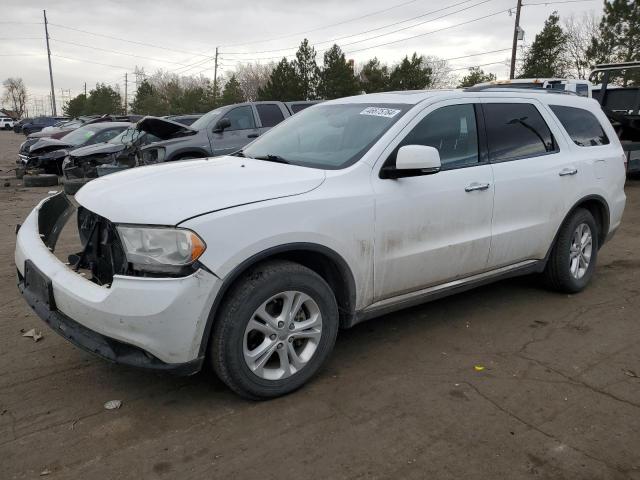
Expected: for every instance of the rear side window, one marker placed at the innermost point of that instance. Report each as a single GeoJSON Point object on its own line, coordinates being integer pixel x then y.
{"type": "Point", "coordinates": [298, 107]}
{"type": "Point", "coordinates": [582, 126]}
{"type": "Point", "coordinates": [270, 114]}
{"type": "Point", "coordinates": [516, 130]}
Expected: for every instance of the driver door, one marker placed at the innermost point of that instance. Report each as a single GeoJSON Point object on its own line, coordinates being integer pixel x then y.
{"type": "Point", "coordinates": [435, 228]}
{"type": "Point", "coordinates": [241, 131]}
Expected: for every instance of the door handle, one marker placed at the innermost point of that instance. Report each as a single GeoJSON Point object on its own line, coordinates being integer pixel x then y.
{"type": "Point", "coordinates": [253, 135]}
{"type": "Point", "coordinates": [568, 171]}
{"type": "Point", "coordinates": [476, 186]}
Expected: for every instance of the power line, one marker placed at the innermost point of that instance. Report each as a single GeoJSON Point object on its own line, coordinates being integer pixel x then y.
{"type": "Point", "coordinates": [380, 28]}
{"type": "Point", "coordinates": [430, 32]}
{"type": "Point", "coordinates": [90, 61]}
{"type": "Point", "coordinates": [128, 41]}
{"type": "Point", "coordinates": [116, 52]}
{"type": "Point", "coordinates": [321, 28]}
{"type": "Point", "coordinates": [553, 3]}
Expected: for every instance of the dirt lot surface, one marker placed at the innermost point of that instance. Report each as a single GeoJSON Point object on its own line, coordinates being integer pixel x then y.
{"type": "Point", "coordinates": [559, 397]}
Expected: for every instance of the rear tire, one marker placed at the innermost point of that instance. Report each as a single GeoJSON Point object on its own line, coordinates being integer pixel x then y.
{"type": "Point", "coordinates": [260, 347]}
{"type": "Point", "coordinates": [574, 255]}
{"type": "Point", "coordinates": [44, 180]}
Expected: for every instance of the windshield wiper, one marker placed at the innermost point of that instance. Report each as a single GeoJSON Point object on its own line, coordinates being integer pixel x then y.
{"type": "Point", "coordinates": [272, 158]}
{"type": "Point", "coordinates": [239, 153]}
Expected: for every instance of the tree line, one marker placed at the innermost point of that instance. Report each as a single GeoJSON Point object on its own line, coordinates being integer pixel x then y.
{"type": "Point", "coordinates": [562, 49]}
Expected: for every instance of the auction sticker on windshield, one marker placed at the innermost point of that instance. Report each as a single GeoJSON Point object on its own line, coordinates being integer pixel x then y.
{"type": "Point", "coordinates": [380, 112]}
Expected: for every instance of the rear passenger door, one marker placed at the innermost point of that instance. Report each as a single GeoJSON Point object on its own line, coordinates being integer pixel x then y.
{"type": "Point", "coordinates": [534, 174]}
{"type": "Point", "coordinates": [270, 115]}
{"type": "Point", "coordinates": [243, 130]}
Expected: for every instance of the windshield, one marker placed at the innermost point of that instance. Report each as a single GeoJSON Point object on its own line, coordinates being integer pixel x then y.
{"type": "Point", "coordinates": [132, 135]}
{"type": "Point", "coordinates": [204, 120]}
{"type": "Point", "coordinates": [81, 135]}
{"type": "Point", "coordinates": [327, 136]}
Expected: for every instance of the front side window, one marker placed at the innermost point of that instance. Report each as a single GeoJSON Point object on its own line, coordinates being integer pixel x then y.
{"type": "Point", "coordinates": [581, 125]}
{"type": "Point", "coordinates": [270, 114]}
{"type": "Point", "coordinates": [452, 130]}
{"type": "Point", "coordinates": [516, 130]}
{"type": "Point", "coordinates": [328, 136]}
{"type": "Point", "coordinates": [241, 118]}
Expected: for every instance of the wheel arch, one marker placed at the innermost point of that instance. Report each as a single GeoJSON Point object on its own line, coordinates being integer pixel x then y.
{"type": "Point", "coordinates": [327, 263]}
{"type": "Point", "coordinates": [598, 207]}
{"type": "Point", "coordinates": [189, 152]}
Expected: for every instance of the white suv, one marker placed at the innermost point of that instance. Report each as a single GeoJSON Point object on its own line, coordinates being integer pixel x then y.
{"type": "Point", "coordinates": [348, 210]}
{"type": "Point", "coordinates": [6, 123]}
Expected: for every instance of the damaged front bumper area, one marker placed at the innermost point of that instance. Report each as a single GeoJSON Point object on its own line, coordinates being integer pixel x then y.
{"type": "Point", "coordinates": [147, 322]}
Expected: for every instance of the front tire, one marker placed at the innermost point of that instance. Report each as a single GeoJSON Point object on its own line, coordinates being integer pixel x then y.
{"type": "Point", "coordinates": [574, 255]}
{"type": "Point", "coordinates": [274, 330]}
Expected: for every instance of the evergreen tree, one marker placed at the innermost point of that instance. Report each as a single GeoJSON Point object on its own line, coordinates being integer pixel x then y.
{"type": "Point", "coordinates": [337, 79]}
{"type": "Point", "coordinates": [102, 100]}
{"type": "Point", "coordinates": [147, 101]}
{"type": "Point", "coordinates": [476, 75]}
{"type": "Point", "coordinates": [76, 106]}
{"type": "Point", "coordinates": [232, 93]}
{"type": "Point", "coordinates": [411, 74]}
{"type": "Point", "coordinates": [283, 85]}
{"type": "Point", "coordinates": [307, 70]}
{"type": "Point", "coordinates": [374, 77]}
{"type": "Point", "coordinates": [546, 57]}
{"type": "Point", "coordinates": [619, 33]}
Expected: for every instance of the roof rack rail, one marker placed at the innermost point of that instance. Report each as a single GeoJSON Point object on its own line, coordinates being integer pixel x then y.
{"type": "Point", "coordinates": [514, 87]}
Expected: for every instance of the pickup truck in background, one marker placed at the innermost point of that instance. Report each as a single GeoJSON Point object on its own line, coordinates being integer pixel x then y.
{"type": "Point", "coordinates": [617, 89]}
{"type": "Point", "coordinates": [219, 132]}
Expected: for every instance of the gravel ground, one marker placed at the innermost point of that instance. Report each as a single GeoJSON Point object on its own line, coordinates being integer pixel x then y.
{"type": "Point", "coordinates": [559, 397]}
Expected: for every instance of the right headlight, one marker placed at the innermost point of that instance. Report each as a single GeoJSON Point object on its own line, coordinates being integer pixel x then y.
{"type": "Point", "coordinates": [160, 249]}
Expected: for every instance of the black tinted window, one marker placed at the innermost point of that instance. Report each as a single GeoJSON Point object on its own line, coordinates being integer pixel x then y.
{"type": "Point", "coordinates": [516, 130]}
{"type": "Point", "coordinates": [581, 125]}
{"type": "Point", "coordinates": [298, 107]}
{"type": "Point", "coordinates": [241, 118]}
{"type": "Point", "coordinates": [270, 114]}
{"type": "Point", "coordinates": [452, 130]}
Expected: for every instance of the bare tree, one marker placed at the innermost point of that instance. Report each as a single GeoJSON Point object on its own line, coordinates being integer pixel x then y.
{"type": "Point", "coordinates": [252, 77]}
{"type": "Point", "coordinates": [579, 32]}
{"type": "Point", "coordinates": [441, 76]}
{"type": "Point", "coordinates": [15, 95]}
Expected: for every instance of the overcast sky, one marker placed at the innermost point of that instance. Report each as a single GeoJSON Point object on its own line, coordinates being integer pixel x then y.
{"type": "Point", "coordinates": [182, 36]}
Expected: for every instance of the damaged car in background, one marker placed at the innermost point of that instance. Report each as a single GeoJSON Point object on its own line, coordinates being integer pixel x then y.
{"type": "Point", "coordinates": [119, 153]}
{"type": "Point", "coordinates": [49, 153]}
{"type": "Point", "coordinates": [219, 132]}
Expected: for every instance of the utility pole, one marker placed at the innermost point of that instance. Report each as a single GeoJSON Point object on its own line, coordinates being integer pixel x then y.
{"type": "Point", "coordinates": [85, 90]}
{"type": "Point", "coordinates": [53, 95]}
{"type": "Point", "coordinates": [516, 29]}
{"type": "Point", "coordinates": [125, 93]}
{"type": "Point", "coordinates": [215, 78]}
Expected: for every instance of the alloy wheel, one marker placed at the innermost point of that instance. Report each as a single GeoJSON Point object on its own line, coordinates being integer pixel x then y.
{"type": "Point", "coordinates": [282, 335]}
{"type": "Point", "coordinates": [580, 251]}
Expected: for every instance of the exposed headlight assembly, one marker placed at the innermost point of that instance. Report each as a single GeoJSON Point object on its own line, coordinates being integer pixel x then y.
{"type": "Point", "coordinates": [160, 249]}
{"type": "Point", "coordinates": [153, 155]}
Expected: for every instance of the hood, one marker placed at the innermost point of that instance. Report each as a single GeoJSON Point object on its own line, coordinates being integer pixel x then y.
{"type": "Point", "coordinates": [48, 145]}
{"type": "Point", "coordinates": [170, 193]}
{"type": "Point", "coordinates": [163, 128]}
{"type": "Point", "coordinates": [99, 149]}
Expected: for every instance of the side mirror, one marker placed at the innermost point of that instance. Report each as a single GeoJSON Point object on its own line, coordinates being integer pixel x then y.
{"type": "Point", "coordinates": [413, 161]}
{"type": "Point", "coordinates": [221, 125]}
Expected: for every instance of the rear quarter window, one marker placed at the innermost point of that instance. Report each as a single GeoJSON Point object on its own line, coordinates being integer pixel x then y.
{"type": "Point", "coordinates": [582, 126]}
{"type": "Point", "coordinates": [515, 131]}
